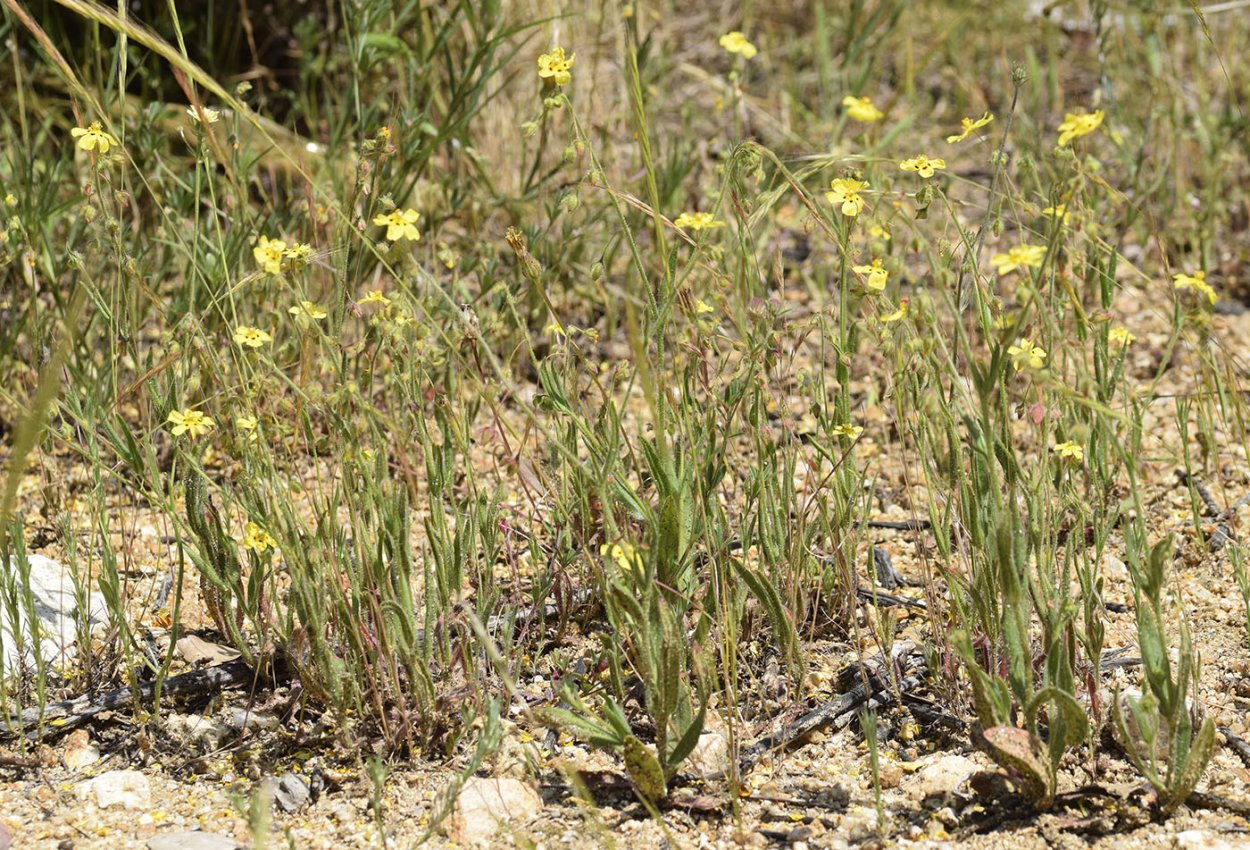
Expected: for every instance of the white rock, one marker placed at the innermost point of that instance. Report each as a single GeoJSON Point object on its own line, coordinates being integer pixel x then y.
{"type": "Point", "coordinates": [1200, 839]}
{"type": "Point", "coordinates": [859, 823]}
{"type": "Point", "coordinates": [192, 730]}
{"type": "Point", "coordinates": [126, 788]}
{"type": "Point", "coordinates": [51, 596]}
{"type": "Point", "coordinates": [289, 791]}
{"type": "Point", "coordinates": [710, 757]}
{"type": "Point", "coordinates": [941, 776]}
{"type": "Point", "coordinates": [485, 806]}
{"type": "Point", "coordinates": [242, 718]}
{"type": "Point", "coordinates": [79, 751]}
{"type": "Point", "coordinates": [191, 841]}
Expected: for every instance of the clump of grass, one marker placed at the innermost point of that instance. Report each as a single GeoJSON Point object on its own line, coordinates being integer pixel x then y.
{"type": "Point", "coordinates": [392, 389]}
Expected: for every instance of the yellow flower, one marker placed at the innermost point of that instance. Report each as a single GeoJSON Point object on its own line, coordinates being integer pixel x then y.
{"type": "Point", "coordinates": [211, 116]}
{"type": "Point", "coordinates": [1027, 354]}
{"type": "Point", "coordinates": [879, 232]}
{"type": "Point", "coordinates": [375, 297]}
{"type": "Point", "coordinates": [922, 165]}
{"type": "Point", "coordinates": [697, 221]}
{"type": "Point", "coordinates": [967, 126]}
{"type": "Point", "coordinates": [1070, 451]}
{"type": "Point", "coordinates": [307, 310]}
{"type": "Point", "coordinates": [851, 432]}
{"type": "Point", "coordinates": [1196, 281]}
{"type": "Point", "coordinates": [190, 422]}
{"type": "Point", "coordinates": [247, 422]}
{"type": "Point", "coordinates": [298, 254]}
{"type": "Point", "coordinates": [268, 253]}
{"type": "Point", "coordinates": [1059, 211]}
{"type": "Point", "coordinates": [736, 42]}
{"type": "Point", "coordinates": [555, 67]}
{"type": "Point", "coordinates": [701, 307]}
{"type": "Point", "coordinates": [93, 137]}
{"type": "Point", "coordinates": [877, 274]}
{"type": "Point", "coordinates": [399, 224]}
{"type": "Point", "coordinates": [251, 337]}
{"type": "Point", "coordinates": [1120, 335]}
{"type": "Point", "coordinates": [625, 555]}
{"type": "Point", "coordinates": [256, 538]}
{"type": "Point", "coordinates": [1076, 125]}
{"type": "Point", "coordinates": [862, 109]}
{"type": "Point", "coordinates": [846, 194]}
{"type": "Point", "coordinates": [898, 314]}
{"type": "Point", "coordinates": [1018, 257]}
{"type": "Point", "coordinates": [556, 330]}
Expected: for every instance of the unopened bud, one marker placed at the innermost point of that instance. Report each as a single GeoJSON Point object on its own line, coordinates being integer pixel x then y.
{"type": "Point", "coordinates": [530, 267]}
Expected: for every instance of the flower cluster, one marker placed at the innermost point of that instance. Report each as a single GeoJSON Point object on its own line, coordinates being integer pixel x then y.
{"type": "Point", "coordinates": [922, 165]}
{"type": "Point", "coordinates": [555, 67]}
{"type": "Point", "coordinates": [697, 221]}
{"type": "Point", "coordinates": [1019, 257]}
{"type": "Point", "coordinates": [1197, 282]}
{"type": "Point", "coordinates": [736, 42]}
{"type": "Point", "coordinates": [862, 109]}
{"type": "Point", "coordinates": [844, 193]}
{"type": "Point", "coordinates": [624, 555]}
{"type": "Point", "coordinates": [190, 422]}
{"type": "Point", "coordinates": [1070, 451]}
{"type": "Point", "coordinates": [1120, 335]}
{"type": "Point", "coordinates": [968, 126]}
{"type": "Point", "coordinates": [1077, 124]}
{"type": "Point", "coordinates": [876, 274]}
{"type": "Point", "coordinates": [249, 337]}
{"type": "Point", "coordinates": [307, 311]}
{"type": "Point", "coordinates": [209, 115]}
{"type": "Point", "coordinates": [1026, 354]}
{"type": "Point", "coordinates": [399, 224]}
{"type": "Point", "coordinates": [94, 137]}
{"type": "Point", "coordinates": [274, 256]}
{"type": "Point", "coordinates": [257, 539]}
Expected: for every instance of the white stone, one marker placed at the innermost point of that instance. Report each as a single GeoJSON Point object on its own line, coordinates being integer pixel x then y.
{"type": "Point", "coordinates": [192, 730]}
{"type": "Point", "coordinates": [1201, 839]}
{"type": "Point", "coordinates": [485, 806]}
{"type": "Point", "coordinates": [126, 788]}
{"type": "Point", "coordinates": [51, 596]}
{"type": "Point", "coordinates": [859, 823]}
{"type": "Point", "coordinates": [194, 840]}
{"type": "Point", "coordinates": [941, 776]}
{"type": "Point", "coordinates": [242, 718]}
{"type": "Point", "coordinates": [710, 757]}
{"type": "Point", "coordinates": [79, 751]}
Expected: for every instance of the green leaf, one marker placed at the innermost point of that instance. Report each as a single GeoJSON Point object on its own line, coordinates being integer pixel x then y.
{"type": "Point", "coordinates": [385, 43]}
{"type": "Point", "coordinates": [783, 628]}
{"type": "Point", "coordinates": [644, 770]}
{"type": "Point", "coordinates": [1021, 753]}
{"type": "Point", "coordinates": [591, 731]}
{"type": "Point", "coordinates": [688, 741]}
{"type": "Point", "coordinates": [989, 693]}
{"type": "Point", "coordinates": [1187, 777]}
{"type": "Point", "coordinates": [1073, 715]}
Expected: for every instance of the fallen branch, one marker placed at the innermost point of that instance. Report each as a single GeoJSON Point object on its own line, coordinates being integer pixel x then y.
{"type": "Point", "coordinates": [1237, 744]}
{"type": "Point", "coordinates": [871, 684]}
{"type": "Point", "coordinates": [1223, 534]}
{"type": "Point", "coordinates": [64, 716]}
